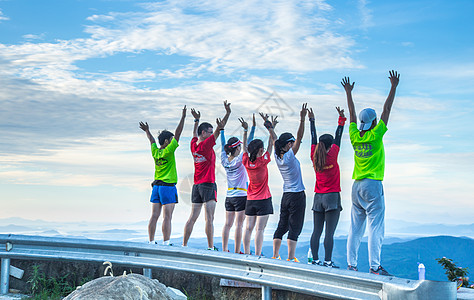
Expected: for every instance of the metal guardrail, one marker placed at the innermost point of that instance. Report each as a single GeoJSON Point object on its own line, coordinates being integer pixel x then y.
{"type": "Point", "coordinates": [301, 278]}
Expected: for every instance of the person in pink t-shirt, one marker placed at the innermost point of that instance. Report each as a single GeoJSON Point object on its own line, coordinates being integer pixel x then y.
{"type": "Point", "coordinates": [327, 199]}
{"type": "Point", "coordinates": [259, 199]}
{"type": "Point", "coordinates": [204, 190]}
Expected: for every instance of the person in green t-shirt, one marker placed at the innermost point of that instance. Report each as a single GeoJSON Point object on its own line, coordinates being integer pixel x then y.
{"type": "Point", "coordinates": [369, 165]}
{"type": "Point", "coordinates": [164, 194]}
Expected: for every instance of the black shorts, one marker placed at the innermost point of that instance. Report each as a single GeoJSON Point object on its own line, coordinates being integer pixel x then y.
{"type": "Point", "coordinates": [292, 208]}
{"type": "Point", "coordinates": [235, 203]}
{"type": "Point", "coordinates": [327, 201]}
{"type": "Point", "coordinates": [259, 207]}
{"type": "Point", "coordinates": [204, 192]}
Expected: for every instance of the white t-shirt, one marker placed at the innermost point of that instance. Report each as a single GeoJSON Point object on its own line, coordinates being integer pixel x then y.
{"type": "Point", "coordinates": [290, 170]}
{"type": "Point", "coordinates": [237, 181]}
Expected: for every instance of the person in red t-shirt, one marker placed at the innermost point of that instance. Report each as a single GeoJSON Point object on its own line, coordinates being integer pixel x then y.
{"type": "Point", "coordinates": [327, 199]}
{"type": "Point", "coordinates": [259, 200]}
{"type": "Point", "coordinates": [204, 189]}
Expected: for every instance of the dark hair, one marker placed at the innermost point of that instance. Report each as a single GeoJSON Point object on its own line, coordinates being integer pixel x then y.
{"type": "Point", "coordinates": [203, 127]}
{"type": "Point", "coordinates": [164, 135]}
{"type": "Point", "coordinates": [253, 148]}
{"type": "Point", "coordinates": [282, 141]}
{"type": "Point", "coordinates": [227, 147]}
{"type": "Point", "coordinates": [319, 157]}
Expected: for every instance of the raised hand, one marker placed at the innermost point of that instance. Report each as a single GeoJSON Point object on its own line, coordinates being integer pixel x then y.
{"type": "Point", "coordinates": [346, 83]}
{"type": "Point", "coordinates": [144, 126]}
{"type": "Point", "coordinates": [274, 121]}
{"type": "Point", "coordinates": [196, 114]}
{"type": "Point", "coordinates": [253, 120]}
{"type": "Point", "coordinates": [310, 114]}
{"type": "Point", "coordinates": [184, 112]}
{"type": "Point", "coordinates": [244, 124]}
{"type": "Point", "coordinates": [340, 111]}
{"type": "Point", "coordinates": [264, 116]}
{"type": "Point", "coordinates": [394, 78]}
{"type": "Point", "coordinates": [227, 107]}
{"type": "Point", "coordinates": [220, 124]}
{"type": "Point", "coordinates": [304, 110]}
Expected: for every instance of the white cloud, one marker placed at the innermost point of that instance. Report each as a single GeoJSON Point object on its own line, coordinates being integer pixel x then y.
{"type": "Point", "coordinates": [34, 36]}
{"type": "Point", "coordinates": [3, 17]}
{"type": "Point", "coordinates": [365, 14]}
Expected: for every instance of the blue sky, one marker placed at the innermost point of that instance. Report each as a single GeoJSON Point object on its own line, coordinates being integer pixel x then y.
{"type": "Point", "coordinates": [78, 76]}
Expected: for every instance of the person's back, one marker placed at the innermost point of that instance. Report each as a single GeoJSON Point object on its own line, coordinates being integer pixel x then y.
{"type": "Point", "coordinates": [204, 160]}
{"type": "Point", "coordinates": [290, 170]}
{"type": "Point", "coordinates": [369, 153]}
{"type": "Point", "coordinates": [368, 200]}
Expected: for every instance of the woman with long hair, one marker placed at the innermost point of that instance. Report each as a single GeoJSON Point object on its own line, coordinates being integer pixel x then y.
{"type": "Point", "coordinates": [237, 183]}
{"type": "Point", "coordinates": [259, 199]}
{"type": "Point", "coordinates": [327, 199]}
{"type": "Point", "coordinates": [293, 201]}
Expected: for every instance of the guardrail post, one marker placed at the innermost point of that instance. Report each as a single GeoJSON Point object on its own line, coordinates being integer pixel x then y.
{"type": "Point", "coordinates": [5, 277]}
{"type": "Point", "coordinates": [266, 292]}
{"type": "Point", "coordinates": [147, 272]}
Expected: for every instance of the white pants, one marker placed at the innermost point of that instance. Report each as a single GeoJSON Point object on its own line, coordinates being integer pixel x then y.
{"type": "Point", "coordinates": [367, 203]}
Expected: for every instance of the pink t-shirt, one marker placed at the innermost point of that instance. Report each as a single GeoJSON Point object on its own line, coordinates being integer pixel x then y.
{"type": "Point", "coordinates": [258, 177]}
{"type": "Point", "coordinates": [328, 181]}
{"type": "Point", "coordinates": [204, 160]}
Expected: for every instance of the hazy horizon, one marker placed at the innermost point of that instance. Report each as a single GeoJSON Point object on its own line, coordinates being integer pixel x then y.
{"type": "Point", "coordinates": [78, 76]}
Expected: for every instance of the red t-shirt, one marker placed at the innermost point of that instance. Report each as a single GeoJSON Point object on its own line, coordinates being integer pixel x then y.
{"type": "Point", "coordinates": [258, 177]}
{"type": "Point", "coordinates": [328, 181]}
{"type": "Point", "coordinates": [204, 160]}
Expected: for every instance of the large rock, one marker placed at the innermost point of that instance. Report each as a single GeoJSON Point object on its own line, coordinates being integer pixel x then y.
{"type": "Point", "coordinates": [131, 286]}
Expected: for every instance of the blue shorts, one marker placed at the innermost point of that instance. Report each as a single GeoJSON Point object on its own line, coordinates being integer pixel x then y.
{"type": "Point", "coordinates": [164, 194]}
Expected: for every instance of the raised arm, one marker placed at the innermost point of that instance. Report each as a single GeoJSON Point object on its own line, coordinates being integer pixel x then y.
{"type": "Point", "coordinates": [314, 137]}
{"type": "Point", "coordinates": [197, 116]}
{"type": "Point", "coordinates": [245, 126]}
{"type": "Point", "coordinates": [146, 128]}
{"type": "Point", "coordinates": [179, 129]}
{"type": "Point", "coordinates": [387, 107]}
{"type": "Point", "coordinates": [346, 83]}
{"type": "Point", "coordinates": [252, 130]}
{"type": "Point", "coordinates": [223, 142]}
{"type": "Point", "coordinates": [270, 125]}
{"type": "Point", "coordinates": [340, 126]}
{"type": "Point", "coordinates": [222, 121]}
{"type": "Point", "coordinates": [300, 133]}
{"type": "Point", "coordinates": [272, 137]}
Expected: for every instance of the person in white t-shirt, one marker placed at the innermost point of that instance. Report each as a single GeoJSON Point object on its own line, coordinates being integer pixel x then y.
{"type": "Point", "coordinates": [293, 202]}
{"type": "Point", "coordinates": [237, 183]}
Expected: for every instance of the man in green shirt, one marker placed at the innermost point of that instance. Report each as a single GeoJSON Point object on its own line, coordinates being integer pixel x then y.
{"type": "Point", "coordinates": [369, 165]}
{"type": "Point", "coordinates": [164, 194]}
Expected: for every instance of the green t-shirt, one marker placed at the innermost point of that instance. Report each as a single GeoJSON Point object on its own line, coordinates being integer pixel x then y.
{"type": "Point", "coordinates": [165, 164]}
{"type": "Point", "coordinates": [369, 154]}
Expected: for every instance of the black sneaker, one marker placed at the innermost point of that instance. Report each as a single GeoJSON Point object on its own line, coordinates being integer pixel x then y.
{"type": "Point", "coordinates": [330, 265]}
{"type": "Point", "coordinates": [214, 248]}
{"type": "Point", "coordinates": [352, 268]}
{"type": "Point", "coordinates": [380, 271]}
{"type": "Point", "coordinates": [317, 262]}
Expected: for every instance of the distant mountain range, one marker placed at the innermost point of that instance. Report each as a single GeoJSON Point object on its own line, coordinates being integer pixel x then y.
{"type": "Point", "coordinates": [406, 243]}
{"type": "Point", "coordinates": [399, 257]}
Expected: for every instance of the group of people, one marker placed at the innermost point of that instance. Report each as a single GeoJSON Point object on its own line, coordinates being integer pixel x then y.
{"type": "Point", "coordinates": [248, 197]}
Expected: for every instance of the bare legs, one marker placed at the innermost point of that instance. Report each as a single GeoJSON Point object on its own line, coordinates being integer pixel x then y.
{"type": "Point", "coordinates": [209, 209]}
{"type": "Point", "coordinates": [239, 224]}
{"type": "Point", "coordinates": [155, 214]}
{"type": "Point", "coordinates": [239, 217]}
{"type": "Point", "coordinates": [260, 222]}
{"type": "Point", "coordinates": [291, 248]}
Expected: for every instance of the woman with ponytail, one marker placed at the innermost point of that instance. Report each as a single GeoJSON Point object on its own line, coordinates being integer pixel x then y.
{"type": "Point", "coordinates": [259, 200]}
{"type": "Point", "coordinates": [293, 201]}
{"type": "Point", "coordinates": [327, 199]}
{"type": "Point", "coordinates": [237, 182]}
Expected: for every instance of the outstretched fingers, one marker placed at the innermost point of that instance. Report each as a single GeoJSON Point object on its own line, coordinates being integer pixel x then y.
{"type": "Point", "coordinates": [144, 126]}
